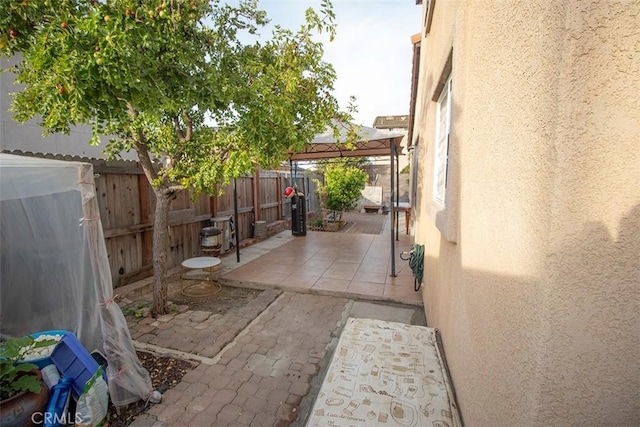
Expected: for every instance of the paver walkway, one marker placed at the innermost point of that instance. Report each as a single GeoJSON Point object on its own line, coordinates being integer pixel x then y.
{"type": "Point", "coordinates": [260, 378]}
{"type": "Point", "coordinates": [199, 333]}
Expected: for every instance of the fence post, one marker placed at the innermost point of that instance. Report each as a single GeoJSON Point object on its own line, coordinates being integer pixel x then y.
{"type": "Point", "coordinates": [279, 187]}
{"type": "Point", "coordinates": [145, 217]}
{"type": "Point", "coordinates": [255, 183]}
{"type": "Point", "coordinates": [213, 203]}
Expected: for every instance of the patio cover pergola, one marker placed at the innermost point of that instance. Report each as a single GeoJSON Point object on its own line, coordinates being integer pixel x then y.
{"type": "Point", "coordinates": [370, 142]}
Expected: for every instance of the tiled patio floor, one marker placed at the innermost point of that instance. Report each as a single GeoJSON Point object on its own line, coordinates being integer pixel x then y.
{"type": "Point", "coordinates": [342, 264]}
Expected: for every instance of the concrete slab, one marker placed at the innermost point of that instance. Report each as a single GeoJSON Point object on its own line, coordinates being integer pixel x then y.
{"type": "Point", "coordinates": [390, 313]}
{"type": "Point", "coordinates": [384, 373]}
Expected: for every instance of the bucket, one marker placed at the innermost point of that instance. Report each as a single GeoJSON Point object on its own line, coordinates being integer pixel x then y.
{"type": "Point", "coordinates": [210, 237]}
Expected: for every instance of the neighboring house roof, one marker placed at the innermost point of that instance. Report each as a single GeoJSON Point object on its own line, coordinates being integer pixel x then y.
{"type": "Point", "coordinates": [100, 165]}
{"type": "Point", "coordinates": [391, 122]}
{"type": "Point", "coordinates": [371, 142]}
{"type": "Point", "coordinates": [28, 137]}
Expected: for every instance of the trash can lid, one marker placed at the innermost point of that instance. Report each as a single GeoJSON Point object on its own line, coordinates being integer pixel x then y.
{"type": "Point", "coordinates": [210, 231]}
{"type": "Point", "coordinates": [220, 219]}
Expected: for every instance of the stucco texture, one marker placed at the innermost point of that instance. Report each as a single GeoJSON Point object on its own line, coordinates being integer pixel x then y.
{"type": "Point", "coordinates": [538, 300]}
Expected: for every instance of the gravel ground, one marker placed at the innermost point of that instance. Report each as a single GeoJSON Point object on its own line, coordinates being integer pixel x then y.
{"type": "Point", "coordinates": [165, 373]}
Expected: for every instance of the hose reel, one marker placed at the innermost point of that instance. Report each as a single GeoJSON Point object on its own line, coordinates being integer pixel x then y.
{"type": "Point", "coordinates": [416, 262]}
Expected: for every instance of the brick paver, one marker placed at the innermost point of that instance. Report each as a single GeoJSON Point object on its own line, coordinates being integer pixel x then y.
{"type": "Point", "coordinates": [198, 332]}
{"type": "Point", "coordinates": [260, 378]}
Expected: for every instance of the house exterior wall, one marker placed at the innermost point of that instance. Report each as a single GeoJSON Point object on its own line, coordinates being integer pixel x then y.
{"type": "Point", "coordinates": [532, 271]}
{"type": "Point", "coordinates": [28, 137]}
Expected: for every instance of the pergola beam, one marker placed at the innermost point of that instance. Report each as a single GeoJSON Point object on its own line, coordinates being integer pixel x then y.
{"type": "Point", "coordinates": [329, 151]}
{"type": "Point", "coordinates": [393, 210]}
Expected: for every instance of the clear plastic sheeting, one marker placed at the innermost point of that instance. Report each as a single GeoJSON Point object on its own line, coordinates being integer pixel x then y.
{"type": "Point", "coordinates": [54, 266]}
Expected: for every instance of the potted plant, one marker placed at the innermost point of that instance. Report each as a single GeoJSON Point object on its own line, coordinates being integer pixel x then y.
{"type": "Point", "coordinates": [22, 391]}
{"type": "Point", "coordinates": [316, 224]}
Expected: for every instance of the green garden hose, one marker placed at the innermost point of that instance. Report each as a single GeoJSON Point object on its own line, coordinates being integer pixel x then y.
{"type": "Point", "coordinates": [416, 263]}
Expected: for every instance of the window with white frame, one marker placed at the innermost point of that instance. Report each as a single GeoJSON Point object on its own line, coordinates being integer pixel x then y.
{"type": "Point", "coordinates": [443, 129]}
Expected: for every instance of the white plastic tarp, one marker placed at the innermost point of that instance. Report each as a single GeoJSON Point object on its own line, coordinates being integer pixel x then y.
{"type": "Point", "coordinates": [54, 270]}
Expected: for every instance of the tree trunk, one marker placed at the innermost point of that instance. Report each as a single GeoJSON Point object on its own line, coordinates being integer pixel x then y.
{"type": "Point", "coordinates": [160, 247]}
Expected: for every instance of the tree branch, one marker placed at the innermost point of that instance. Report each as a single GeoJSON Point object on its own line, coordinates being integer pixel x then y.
{"type": "Point", "coordinates": [176, 125]}
{"type": "Point", "coordinates": [187, 119]}
{"type": "Point", "coordinates": [172, 189]}
{"type": "Point", "coordinates": [183, 137]}
{"type": "Point", "coordinates": [140, 143]}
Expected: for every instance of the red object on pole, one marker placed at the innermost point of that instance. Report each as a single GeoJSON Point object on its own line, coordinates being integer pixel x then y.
{"type": "Point", "coordinates": [288, 192]}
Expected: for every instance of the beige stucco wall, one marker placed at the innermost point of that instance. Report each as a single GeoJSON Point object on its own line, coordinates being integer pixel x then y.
{"type": "Point", "coordinates": [538, 298]}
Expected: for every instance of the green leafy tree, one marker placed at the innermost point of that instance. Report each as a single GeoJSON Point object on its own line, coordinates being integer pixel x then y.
{"type": "Point", "coordinates": [342, 187]}
{"type": "Point", "coordinates": [174, 81]}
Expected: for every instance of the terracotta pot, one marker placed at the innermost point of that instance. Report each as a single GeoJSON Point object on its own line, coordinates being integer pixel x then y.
{"type": "Point", "coordinates": [19, 410]}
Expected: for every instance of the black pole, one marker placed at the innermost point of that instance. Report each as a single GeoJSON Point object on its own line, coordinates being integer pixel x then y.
{"type": "Point", "coordinates": [290, 172]}
{"type": "Point", "coordinates": [235, 212]}
{"type": "Point", "coordinates": [304, 190]}
{"type": "Point", "coordinates": [393, 211]}
{"type": "Point", "coordinates": [397, 193]}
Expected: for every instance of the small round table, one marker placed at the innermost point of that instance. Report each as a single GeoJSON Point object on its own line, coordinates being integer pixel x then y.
{"type": "Point", "coordinates": [196, 265]}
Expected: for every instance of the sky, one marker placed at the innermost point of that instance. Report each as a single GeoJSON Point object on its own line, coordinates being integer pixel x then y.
{"type": "Point", "coordinates": [372, 51]}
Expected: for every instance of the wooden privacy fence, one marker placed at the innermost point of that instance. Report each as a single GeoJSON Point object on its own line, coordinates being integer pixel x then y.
{"type": "Point", "coordinates": [127, 206]}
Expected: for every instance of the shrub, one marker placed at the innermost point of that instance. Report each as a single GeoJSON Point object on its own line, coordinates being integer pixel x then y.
{"type": "Point", "coordinates": [342, 188]}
